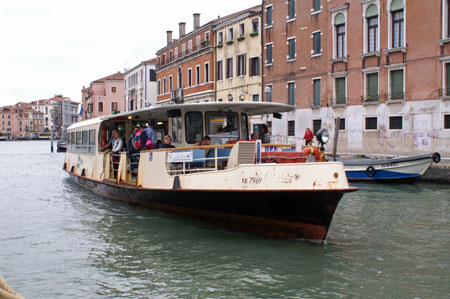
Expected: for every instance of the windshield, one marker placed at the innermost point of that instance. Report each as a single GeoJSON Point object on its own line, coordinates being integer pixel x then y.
{"type": "Point", "coordinates": [222, 126]}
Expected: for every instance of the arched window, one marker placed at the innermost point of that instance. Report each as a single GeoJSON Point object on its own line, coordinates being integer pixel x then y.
{"type": "Point", "coordinates": [397, 20]}
{"type": "Point", "coordinates": [180, 78]}
{"type": "Point", "coordinates": [372, 28]}
{"type": "Point", "coordinates": [339, 23]}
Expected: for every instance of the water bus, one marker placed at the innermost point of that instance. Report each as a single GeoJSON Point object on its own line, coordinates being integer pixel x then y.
{"type": "Point", "coordinates": [237, 183]}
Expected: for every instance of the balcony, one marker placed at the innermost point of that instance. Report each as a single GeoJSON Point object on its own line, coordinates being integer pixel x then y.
{"type": "Point", "coordinates": [339, 102]}
{"type": "Point", "coordinates": [370, 99]}
{"type": "Point", "coordinates": [395, 97]}
{"type": "Point", "coordinates": [444, 93]}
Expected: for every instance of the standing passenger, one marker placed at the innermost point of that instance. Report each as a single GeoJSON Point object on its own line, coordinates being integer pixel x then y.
{"type": "Point", "coordinates": [264, 134]}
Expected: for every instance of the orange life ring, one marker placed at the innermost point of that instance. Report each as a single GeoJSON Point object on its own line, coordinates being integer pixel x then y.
{"type": "Point", "coordinates": [313, 151]}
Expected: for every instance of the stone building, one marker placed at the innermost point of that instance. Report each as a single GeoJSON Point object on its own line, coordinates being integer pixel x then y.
{"type": "Point", "coordinates": [381, 66]}
{"type": "Point", "coordinates": [140, 85]}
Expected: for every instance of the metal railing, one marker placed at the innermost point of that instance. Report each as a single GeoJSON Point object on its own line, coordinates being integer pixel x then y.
{"type": "Point", "coordinates": [444, 92]}
{"type": "Point", "coordinates": [396, 96]}
{"type": "Point", "coordinates": [370, 99]}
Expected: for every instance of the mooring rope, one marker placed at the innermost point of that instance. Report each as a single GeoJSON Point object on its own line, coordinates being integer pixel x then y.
{"type": "Point", "coordinates": [6, 292]}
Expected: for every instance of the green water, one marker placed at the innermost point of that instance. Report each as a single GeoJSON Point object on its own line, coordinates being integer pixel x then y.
{"type": "Point", "coordinates": [58, 240]}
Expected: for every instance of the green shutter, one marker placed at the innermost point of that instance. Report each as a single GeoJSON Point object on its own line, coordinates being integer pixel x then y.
{"type": "Point", "coordinates": [291, 89]}
{"type": "Point", "coordinates": [397, 85]}
{"type": "Point", "coordinates": [372, 87]}
{"type": "Point", "coordinates": [317, 44]}
{"type": "Point", "coordinates": [339, 19]}
{"type": "Point", "coordinates": [340, 90]}
{"type": "Point", "coordinates": [317, 92]}
{"type": "Point", "coordinates": [269, 53]}
{"type": "Point", "coordinates": [447, 79]}
{"type": "Point", "coordinates": [396, 5]}
{"type": "Point", "coordinates": [372, 11]}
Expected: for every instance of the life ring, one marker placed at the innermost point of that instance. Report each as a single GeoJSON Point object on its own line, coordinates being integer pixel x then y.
{"type": "Point", "coordinates": [436, 157]}
{"type": "Point", "coordinates": [370, 171]}
{"type": "Point", "coordinates": [313, 151]}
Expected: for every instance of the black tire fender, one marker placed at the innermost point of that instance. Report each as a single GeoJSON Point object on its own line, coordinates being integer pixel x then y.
{"type": "Point", "coordinates": [436, 157]}
{"type": "Point", "coordinates": [370, 171]}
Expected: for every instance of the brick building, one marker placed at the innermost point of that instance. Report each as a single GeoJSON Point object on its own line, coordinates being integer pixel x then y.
{"type": "Point", "coordinates": [20, 121]}
{"type": "Point", "coordinates": [379, 65]}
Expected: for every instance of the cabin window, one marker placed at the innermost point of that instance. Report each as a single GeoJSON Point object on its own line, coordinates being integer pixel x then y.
{"type": "Point", "coordinates": [78, 142]}
{"type": "Point", "coordinates": [85, 141]}
{"type": "Point", "coordinates": [175, 123]}
{"type": "Point", "coordinates": [92, 136]}
{"type": "Point", "coordinates": [222, 127]}
{"type": "Point", "coordinates": [73, 142]}
{"type": "Point", "coordinates": [244, 127]}
{"type": "Point", "coordinates": [194, 127]}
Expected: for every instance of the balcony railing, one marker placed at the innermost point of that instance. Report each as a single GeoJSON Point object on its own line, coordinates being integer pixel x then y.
{"type": "Point", "coordinates": [368, 99]}
{"type": "Point", "coordinates": [187, 52]}
{"type": "Point", "coordinates": [340, 101]}
{"type": "Point", "coordinates": [444, 92]}
{"type": "Point", "coordinates": [396, 96]}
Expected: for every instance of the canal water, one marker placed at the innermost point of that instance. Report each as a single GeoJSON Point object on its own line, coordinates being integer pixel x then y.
{"type": "Point", "coordinates": [58, 240]}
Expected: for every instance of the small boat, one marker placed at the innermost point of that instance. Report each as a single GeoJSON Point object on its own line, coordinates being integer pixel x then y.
{"type": "Point", "coordinates": [390, 169]}
{"type": "Point", "coordinates": [232, 183]}
{"type": "Point", "coordinates": [61, 146]}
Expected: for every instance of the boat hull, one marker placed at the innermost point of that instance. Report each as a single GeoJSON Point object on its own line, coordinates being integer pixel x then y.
{"type": "Point", "coordinates": [282, 214]}
{"type": "Point", "coordinates": [396, 169]}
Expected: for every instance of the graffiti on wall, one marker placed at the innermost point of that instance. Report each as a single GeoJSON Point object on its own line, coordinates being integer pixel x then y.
{"type": "Point", "coordinates": [417, 139]}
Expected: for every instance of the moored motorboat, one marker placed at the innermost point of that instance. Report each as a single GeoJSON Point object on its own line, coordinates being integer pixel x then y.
{"type": "Point", "coordinates": [228, 183]}
{"type": "Point", "coordinates": [392, 169]}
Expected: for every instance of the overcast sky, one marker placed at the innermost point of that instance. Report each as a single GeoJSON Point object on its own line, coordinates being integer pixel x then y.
{"type": "Point", "coordinates": [53, 47]}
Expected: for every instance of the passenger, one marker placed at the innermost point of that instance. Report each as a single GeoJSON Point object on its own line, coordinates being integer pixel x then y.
{"type": "Point", "coordinates": [167, 142]}
{"type": "Point", "coordinates": [118, 142]}
{"type": "Point", "coordinates": [130, 147]}
{"type": "Point", "coordinates": [110, 143]}
{"type": "Point", "coordinates": [264, 134]}
{"type": "Point", "coordinates": [255, 136]}
{"type": "Point", "coordinates": [309, 136]}
{"type": "Point", "coordinates": [149, 138]}
{"type": "Point", "coordinates": [206, 140]}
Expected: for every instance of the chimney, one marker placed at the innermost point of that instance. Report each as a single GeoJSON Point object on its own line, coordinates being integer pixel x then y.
{"type": "Point", "coordinates": [196, 21]}
{"type": "Point", "coordinates": [169, 37]}
{"type": "Point", "coordinates": [182, 30]}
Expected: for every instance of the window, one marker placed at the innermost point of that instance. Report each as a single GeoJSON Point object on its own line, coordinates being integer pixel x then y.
{"type": "Point", "coordinates": [269, 59]}
{"type": "Point", "coordinates": [397, 30]}
{"type": "Point", "coordinates": [446, 91]}
{"type": "Point", "coordinates": [255, 25]}
{"type": "Point", "coordinates": [269, 19]}
{"type": "Point", "coordinates": [152, 76]}
{"type": "Point", "coordinates": [197, 74]}
{"type": "Point", "coordinates": [291, 4]}
{"type": "Point", "coordinates": [291, 43]}
{"type": "Point", "coordinates": [220, 38]}
{"type": "Point", "coordinates": [339, 23]}
{"type": "Point", "coordinates": [291, 128]}
{"type": "Point", "coordinates": [316, 90]}
{"type": "Point", "coordinates": [269, 95]}
{"type": "Point", "coordinates": [176, 53]}
{"type": "Point", "coordinates": [189, 77]}
{"type": "Point", "coordinates": [190, 46]}
{"type": "Point", "coordinates": [316, 5]}
{"type": "Point", "coordinates": [175, 124]}
{"type": "Point", "coordinates": [170, 59]}
{"type": "Point", "coordinates": [230, 34]}
{"type": "Point", "coordinates": [241, 67]}
{"type": "Point", "coordinates": [372, 87]}
{"type": "Point", "coordinates": [244, 126]}
{"type": "Point", "coordinates": [341, 124]}
{"type": "Point", "coordinates": [397, 85]}
{"type": "Point", "coordinates": [92, 136]}
{"type": "Point", "coordinates": [254, 66]}
{"type": "Point", "coordinates": [241, 29]}
{"type": "Point", "coordinates": [100, 107]}
{"type": "Point", "coordinates": [222, 126]}
{"type": "Point", "coordinates": [340, 92]}
{"type": "Point", "coordinates": [197, 40]}
{"type": "Point", "coordinates": [317, 43]}
{"type": "Point", "coordinates": [113, 89]}
{"type": "Point", "coordinates": [291, 93]}
{"type": "Point", "coordinates": [206, 72]}
{"type": "Point", "coordinates": [113, 106]}
{"type": "Point", "coordinates": [164, 86]}
{"type": "Point", "coordinates": [159, 87]}
{"type": "Point", "coordinates": [207, 35]}
{"type": "Point", "coordinates": [229, 67]}
{"type": "Point", "coordinates": [317, 125]}
{"type": "Point", "coordinates": [371, 123]}
{"type": "Point", "coordinates": [255, 98]}
{"type": "Point", "coordinates": [395, 122]}
{"type": "Point", "coordinates": [372, 28]}
{"type": "Point", "coordinates": [170, 83]}
{"type": "Point", "coordinates": [219, 70]}
{"type": "Point", "coordinates": [447, 121]}
{"type": "Point", "coordinates": [194, 127]}
{"type": "Point", "coordinates": [183, 49]}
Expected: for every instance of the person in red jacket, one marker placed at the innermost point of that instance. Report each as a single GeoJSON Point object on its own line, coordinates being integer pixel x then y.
{"type": "Point", "coordinates": [308, 136]}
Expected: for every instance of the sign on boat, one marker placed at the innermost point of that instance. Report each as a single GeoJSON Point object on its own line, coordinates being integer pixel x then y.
{"type": "Point", "coordinates": [237, 183]}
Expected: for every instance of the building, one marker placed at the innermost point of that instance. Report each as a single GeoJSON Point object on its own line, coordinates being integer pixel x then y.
{"type": "Point", "coordinates": [381, 66]}
{"type": "Point", "coordinates": [104, 96]}
{"type": "Point", "coordinates": [238, 57]}
{"type": "Point", "coordinates": [140, 85]}
{"type": "Point", "coordinates": [20, 121]}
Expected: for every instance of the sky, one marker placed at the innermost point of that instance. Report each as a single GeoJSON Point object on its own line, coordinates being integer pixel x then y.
{"type": "Point", "coordinates": [50, 47]}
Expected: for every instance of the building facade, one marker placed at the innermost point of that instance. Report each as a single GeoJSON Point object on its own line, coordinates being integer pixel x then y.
{"type": "Point", "coordinates": [140, 85]}
{"type": "Point", "coordinates": [20, 121]}
{"type": "Point", "coordinates": [104, 96]}
{"type": "Point", "coordinates": [379, 65]}
{"type": "Point", "coordinates": [238, 57]}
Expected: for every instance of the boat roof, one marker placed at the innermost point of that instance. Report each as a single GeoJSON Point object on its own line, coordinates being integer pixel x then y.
{"type": "Point", "coordinates": [160, 111]}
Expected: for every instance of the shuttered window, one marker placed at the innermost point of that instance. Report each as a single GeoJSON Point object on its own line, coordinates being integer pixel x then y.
{"type": "Point", "coordinates": [340, 91]}
{"type": "Point", "coordinates": [291, 9]}
{"type": "Point", "coordinates": [291, 92]}
{"type": "Point", "coordinates": [316, 86]}
{"type": "Point", "coordinates": [269, 15]}
{"type": "Point", "coordinates": [316, 5]}
{"type": "Point", "coordinates": [372, 87]}
{"type": "Point", "coordinates": [397, 85]}
{"type": "Point", "coordinates": [291, 48]}
{"type": "Point", "coordinates": [317, 43]}
{"type": "Point", "coordinates": [447, 79]}
{"type": "Point", "coordinates": [395, 122]}
{"type": "Point", "coordinates": [269, 53]}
